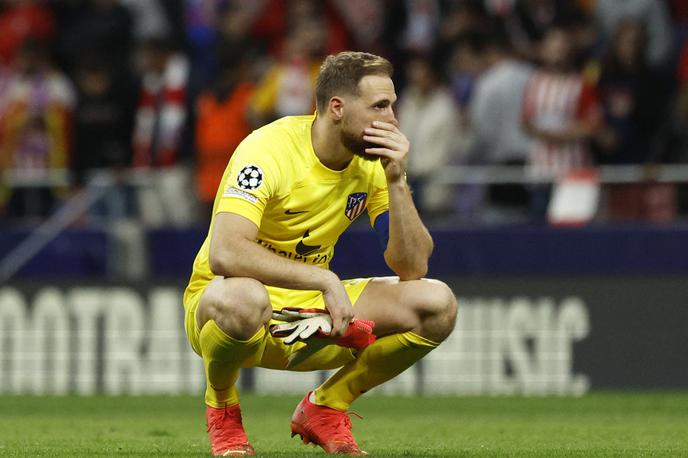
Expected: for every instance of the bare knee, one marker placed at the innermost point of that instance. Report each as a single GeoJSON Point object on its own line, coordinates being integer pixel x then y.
{"type": "Point", "coordinates": [239, 306]}
{"type": "Point", "coordinates": [438, 315]}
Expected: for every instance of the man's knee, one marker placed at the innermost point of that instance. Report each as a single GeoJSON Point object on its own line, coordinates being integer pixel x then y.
{"type": "Point", "coordinates": [239, 306]}
{"type": "Point", "coordinates": [440, 311]}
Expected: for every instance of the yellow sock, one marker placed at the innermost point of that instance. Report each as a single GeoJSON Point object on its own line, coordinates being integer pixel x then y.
{"type": "Point", "coordinates": [388, 357]}
{"type": "Point", "coordinates": [222, 357]}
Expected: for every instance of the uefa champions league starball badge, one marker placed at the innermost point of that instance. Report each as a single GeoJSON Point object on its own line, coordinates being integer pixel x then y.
{"type": "Point", "coordinates": [250, 177]}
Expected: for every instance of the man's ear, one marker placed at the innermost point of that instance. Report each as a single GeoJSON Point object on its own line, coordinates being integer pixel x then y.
{"type": "Point", "coordinates": [336, 108]}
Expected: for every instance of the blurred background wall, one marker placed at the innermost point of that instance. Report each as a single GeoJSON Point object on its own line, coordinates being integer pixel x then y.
{"type": "Point", "coordinates": [549, 159]}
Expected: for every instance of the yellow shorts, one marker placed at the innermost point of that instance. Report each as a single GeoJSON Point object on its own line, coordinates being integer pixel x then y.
{"type": "Point", "coordinates": [274, 353]}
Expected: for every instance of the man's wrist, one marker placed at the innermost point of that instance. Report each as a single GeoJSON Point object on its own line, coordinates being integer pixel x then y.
{"type": "Point", "coordinates": [328, 280]}
{"type": "Point", "coordinates": [399, 184]}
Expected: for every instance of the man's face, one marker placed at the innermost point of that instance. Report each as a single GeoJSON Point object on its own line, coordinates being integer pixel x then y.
{"type": "Point", "coordinates": [628, 43]}
{"type": "Point", "coordinates": [373, 103]}
{"type": "Point", "coordinates": [556, 50]}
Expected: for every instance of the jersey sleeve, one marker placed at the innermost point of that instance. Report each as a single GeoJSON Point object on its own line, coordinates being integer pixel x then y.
{"type": "Point", "coordinates": [252, 178]}
{"type": "Point", "coordinates": [378, 201]}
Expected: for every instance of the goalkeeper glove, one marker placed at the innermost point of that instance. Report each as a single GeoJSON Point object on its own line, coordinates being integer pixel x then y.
{"type": "Point", "coordinates": [302, 324]}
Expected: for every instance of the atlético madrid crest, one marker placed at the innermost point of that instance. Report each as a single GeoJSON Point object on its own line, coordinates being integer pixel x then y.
{"type": "Point", "coordinates": [355, 204]}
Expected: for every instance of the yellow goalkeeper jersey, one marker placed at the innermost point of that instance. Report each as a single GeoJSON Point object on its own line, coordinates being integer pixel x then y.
{"type": "Point", "coordinates": [300, 206]}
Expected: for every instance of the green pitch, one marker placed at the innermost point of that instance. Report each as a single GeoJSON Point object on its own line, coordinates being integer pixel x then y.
{"type": "Point", "coordinates": [603, 424]}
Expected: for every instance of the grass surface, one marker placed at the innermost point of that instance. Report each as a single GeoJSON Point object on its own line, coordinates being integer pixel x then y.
{"type": "Point", "coordinates": [601, 424]}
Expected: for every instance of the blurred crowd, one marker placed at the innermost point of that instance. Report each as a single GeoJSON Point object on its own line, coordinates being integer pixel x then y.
{"type": "Point", "coordinates": [164, 90]}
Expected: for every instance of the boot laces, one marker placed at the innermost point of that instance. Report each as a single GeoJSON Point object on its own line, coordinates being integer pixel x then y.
{"type": "Point", "coordinates": [339, 430]}
{"type": "Point", "coordinates": [227, 428]}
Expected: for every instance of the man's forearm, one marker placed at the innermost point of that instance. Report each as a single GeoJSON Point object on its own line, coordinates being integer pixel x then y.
{"type": "Point", "coordinates": [410, 244]}
{"type": "Point", "coordinates": [575, 132]}
{"type": "Point", "coordinates": [245, 258]}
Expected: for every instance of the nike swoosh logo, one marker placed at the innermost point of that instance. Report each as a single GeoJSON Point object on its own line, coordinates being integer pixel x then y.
{"type": "Point", "coordinates": [303, 249]}
{"type": "Point", "coordinates": [289, 212]}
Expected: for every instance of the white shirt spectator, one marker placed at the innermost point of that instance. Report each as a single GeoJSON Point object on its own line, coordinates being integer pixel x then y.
{"type": "Point", "coordinates": [431, 123]}
{"type": "Point", "coordinates": [149, 18]}
{"type": "Point", "coordinates": [495, 113]}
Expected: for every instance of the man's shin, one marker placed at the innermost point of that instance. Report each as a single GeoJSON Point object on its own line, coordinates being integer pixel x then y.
{"type": "Point", "coordinates": [223, 356]}
{"type": "Point", "coordinates": [388, 357]}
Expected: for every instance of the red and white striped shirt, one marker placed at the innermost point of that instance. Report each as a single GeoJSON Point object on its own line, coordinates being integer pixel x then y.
{"type": "Point", "coordinates": [554, 102]}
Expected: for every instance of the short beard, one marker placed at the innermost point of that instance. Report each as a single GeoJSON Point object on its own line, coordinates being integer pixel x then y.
{"type": "Point", "coordinates": [357, 146]}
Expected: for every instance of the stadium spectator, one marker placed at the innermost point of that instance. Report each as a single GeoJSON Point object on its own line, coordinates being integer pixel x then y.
{"type": "Point", "coordinates": [275, 21]}
{"type": "Point", "coordinates": [21, 20]}
{"type": "Point", "coordinates": [216, 33]}
{"type": "Point", "coordinates": [294, 186]}
{"type": "Point", "coordinates": [635, 102]}
{"type": "Point", "coordinates": [460, 20]}
{"type": "Point", "coordinates": [202, 21]}
{"type": "Point", "coordinates": [561, 112]}
{"type": "Point", "coordinates": [422, 27]}
{"type": "Point", "coordinates": [221, 124]}
{"type": "Point", "coordinates": [157, 19]}
{"type": "Point", "coordinates": [159, 129]}
{"type": "Point", "coordinates": [430, 119]}
{"type": "Point", "coordinates": [652, 14]}
{"type": "Point", "coordinates": [233, 43]}
{"type": "Point", "coordinates": [222, 107]}
{"type": "Point", "coordinates": [531, 20]}
{"type": "Point", "coordinates": [466, 63]}
{"type": "Point", "coordinates": [367, 21]}
{"type": "Point", "coordinates": [100, 27]}
{"type": "Point", "coordinates": [411, 27]}
{"type": "Point", "coordinates": [161, 107]}
{"type": "Point", "coordinates": [495, 117]}
{"type": "Point", "coordinates": [634, 99]}
{"type": "Point", "coordinates": [495, 109]}
{"type": "Point", "coordinates": [287, 88]}
{"type": "Point", "coordinates": [103, 124]}
{"type": "Point", "coordinates": [35, 132]}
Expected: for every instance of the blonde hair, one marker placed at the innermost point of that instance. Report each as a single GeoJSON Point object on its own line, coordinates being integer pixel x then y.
{"type": "Point", "coordinates": [341, 73]}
